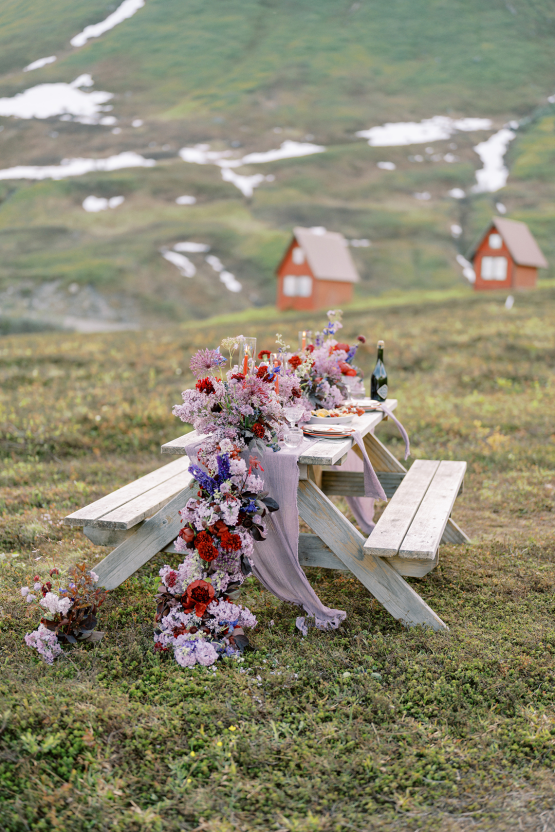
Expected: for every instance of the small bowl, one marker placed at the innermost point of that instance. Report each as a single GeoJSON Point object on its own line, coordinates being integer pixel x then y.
{"type": "Point", "coordinates": [293, 438]}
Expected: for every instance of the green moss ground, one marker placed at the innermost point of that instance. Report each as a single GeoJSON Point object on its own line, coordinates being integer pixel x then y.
{"type": "Point", "coordinates": [369, 727]}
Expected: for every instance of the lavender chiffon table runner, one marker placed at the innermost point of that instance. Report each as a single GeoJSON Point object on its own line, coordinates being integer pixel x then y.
{"type": "Point", "coordinates": [276, 559]}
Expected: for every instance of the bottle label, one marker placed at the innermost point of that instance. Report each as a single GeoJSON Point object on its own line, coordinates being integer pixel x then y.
{"type": "Point", "coordinates": [382, 391]}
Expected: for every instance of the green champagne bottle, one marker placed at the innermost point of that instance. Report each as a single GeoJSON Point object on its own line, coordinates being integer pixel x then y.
{"type": "Point", "coordinates": [378, 382]}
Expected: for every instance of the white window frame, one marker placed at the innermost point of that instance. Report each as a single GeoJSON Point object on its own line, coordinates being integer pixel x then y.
{"type": "Point", "coordinates": [495, 241]}
{"type": "Point", "coordinates": [297, 286]}
{"type": "Point", "coordinates": [493, 268]}
{"type": "Point", "coordinates": [297, 255]}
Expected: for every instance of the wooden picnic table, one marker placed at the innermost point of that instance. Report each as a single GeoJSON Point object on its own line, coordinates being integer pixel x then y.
{"type": "Point", "coordinates": [142, 518]}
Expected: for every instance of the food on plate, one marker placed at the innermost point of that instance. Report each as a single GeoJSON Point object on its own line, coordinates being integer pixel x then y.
{"type": "Point", "coordinates": [344, 410]}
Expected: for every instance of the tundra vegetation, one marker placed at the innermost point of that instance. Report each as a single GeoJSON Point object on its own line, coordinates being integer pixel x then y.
{"type": "Point", "coordinates": [371, 726]}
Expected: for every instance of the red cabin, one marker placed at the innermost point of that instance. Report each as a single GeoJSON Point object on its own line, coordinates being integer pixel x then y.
{"type": "Point", "coordinates": [317, 271]}
{"type": "Point", "coordinates": [507, 257]}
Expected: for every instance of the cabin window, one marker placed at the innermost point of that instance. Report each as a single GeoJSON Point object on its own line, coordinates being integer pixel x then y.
{"type": "Point", "coordinates": [298, 256]}
{"type": "Point", "coordinates": [494, 268]}
{"type": "Point", "coordinates": [297, 286]}
{"type": "Point", "coordinates": [495, 241]}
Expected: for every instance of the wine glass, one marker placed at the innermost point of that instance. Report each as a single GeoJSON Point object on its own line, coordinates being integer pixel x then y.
{"type": "Point", "coordinates": [293, 413]}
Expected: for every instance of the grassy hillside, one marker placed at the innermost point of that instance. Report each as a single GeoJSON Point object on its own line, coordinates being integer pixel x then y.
{"type": "Point", "coordinates": [229, 74]}
{"type": "Point", "coordinates": [371, 726]}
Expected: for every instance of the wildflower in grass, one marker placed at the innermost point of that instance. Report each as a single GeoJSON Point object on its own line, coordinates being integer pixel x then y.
{"type": "Point", "coordinates": [45, 642]}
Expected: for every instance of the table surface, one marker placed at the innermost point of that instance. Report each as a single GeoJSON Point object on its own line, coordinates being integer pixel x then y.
{"type": "Point", "coordinates": [322, 452]}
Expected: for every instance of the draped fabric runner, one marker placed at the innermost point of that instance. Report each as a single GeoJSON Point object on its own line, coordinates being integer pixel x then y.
{"type": "Point", "coordinates": [276, 559]}
{"type": "Point", "coordinates": [363, 507]}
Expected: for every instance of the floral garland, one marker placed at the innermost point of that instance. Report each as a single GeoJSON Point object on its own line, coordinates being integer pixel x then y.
{"type": "Point", "coordinates": [197, 615]}
{"type": "Point", "coordinates": [196, 612]}
{"type": "Point", "coordinates": [69, 611]}
{"type": "Point", "coordinates": [326, 369]}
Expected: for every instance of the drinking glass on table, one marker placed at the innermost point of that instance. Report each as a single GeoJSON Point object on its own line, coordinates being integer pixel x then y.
{"type": "Point", "coordinates": [293, 413]}
{"type": "Point", "coordinates": [292, 437]}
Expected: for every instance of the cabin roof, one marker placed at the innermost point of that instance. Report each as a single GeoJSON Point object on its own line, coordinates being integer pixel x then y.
{"type": "Point", "coordinates": [519, 240]}
{"type": "Point", "coordinates": [327, 254]}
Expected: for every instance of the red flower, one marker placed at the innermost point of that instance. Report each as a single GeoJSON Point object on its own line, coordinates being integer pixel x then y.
{"type": "Point", "coordinates": [262, 373]}
{"type": "Point", "coordinates": [238, 376]}
{"type": "Point", "coordinates": [295, 361]}
{"type": "Point", "coordinates": [204, 544]}
{"type": "Point", "coordinates": [296, 394]}
{"type": "Point", "coordinates": [204, 385]}
{"type": "Point", "coordinates": [347, 370]}
{"type": "Point", "coordinates": [262, 353]}
{"type": "Point", "coordinates": [54, 571]}
{"type": "Point", "coordinates": [344, 347]}
{"type": "Point", "coordinates": [361, 338]}
{"type": "Point", "coordinates": [187, 534]}
{"type": "Point", "coordinates": [171, 579]}
{"type": "Point", "coordinates": [197, 596]}
{"type": "Point", "coordinates": [230, 542]}
{"type": "Point", "coordinates": [258, 430]}
{"type": "Point", "coordinates": [310, 348]}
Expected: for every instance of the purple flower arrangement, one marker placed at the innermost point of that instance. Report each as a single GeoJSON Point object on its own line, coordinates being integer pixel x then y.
{"type": "Point", "coordinates": [69, 610]}
{"type": "Point", "coordinates": [197, 617]}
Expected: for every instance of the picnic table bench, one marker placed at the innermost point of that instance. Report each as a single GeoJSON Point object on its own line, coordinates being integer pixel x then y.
{"type": "Point", "coordinates": [142, 518]}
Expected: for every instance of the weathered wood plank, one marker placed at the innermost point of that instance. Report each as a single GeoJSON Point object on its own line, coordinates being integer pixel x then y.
{"type": "Point", "coordinates": [313, 552]}
{"type": "Point", "coordinates": [147, 541]}
{"type": "Point", "coordinates": [387, 537]}
{"type": "Point", "coordinates": [145, 505]}
{"type": "Point", "coordinates": [381, 579]}
{"type": "Point", "coordinates": [426, 530]}
{"type": "Point", "coordinates": [179, 445]}
{"type": "Point", "coordinates": [106, 537]}
{"type": "Point", "coordinates": [413, 568]}
{"type": "Point", "coordinates": [381, 457]}
{"type": "Point", "coordinates": [88, 515]}
{"type": "Point", "coordinates": [326, 452]}
{"type": "Point", "coordinates": [351, 483]}
{"type": "Point", "coordinates": [453, 533]}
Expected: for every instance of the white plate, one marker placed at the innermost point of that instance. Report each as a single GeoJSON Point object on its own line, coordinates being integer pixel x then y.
{"type": "Point", "coordinates": [331, 420]}
{"type": "Point", "coordinates": [329, 431]}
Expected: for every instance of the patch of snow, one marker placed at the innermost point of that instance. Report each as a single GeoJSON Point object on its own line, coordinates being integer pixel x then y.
{"type": "Point", "coordinates": [192, 248]}
{"type": "Point", "coordinates": [551, 99]}
{"type": "Point", "coordinates": [493, 176]}
{"type": "Point", "coordinates": [98, 203]}
{"type": "Point", "coordinates": [215, 262]}
{"type": "Point", "coordinates": [510, 302]}
{"type": "Point", "coordinates": [456, 231]}
{"type": "Point", "coordinates": [123, 12]}
{"type": "Point", "coordinates": [424, 195]}
{"type": "Point", "coordinates": [431, 129]}
{"type": "Point", "coordinates": [137, 122]}
{"type": "Point", "coordinates": [228, 279]}
{"type": "Point", "coordinates": [186, 200]}
{"type": "Point", "coordinates": [77, 167]}
{"type": "Point", "coordinates": [319, 230]}
{"type": "Point", "coordinates": [450, 157]}
{"type": "Point", "coordinates": [60, 99]}
{"type": "Point", "coordinates": [500, 207]}
{"type": "Point", "coordinates": [288, 150]}
{"type": "Point", "coordinates": [107, 121]}
{"type": "Point", "coordinates": [386, 165]}
{"type": "Point", "coordinates": [201, 154]}
{"type": "Point", "coordinates": [416, 158]}
{"type": "Point", "coordinates": [39, 64]}
{"type": "Point", "coordinates": [246, 184]}
{"type": "Point", "coordinates": [468, 271]}
{"type": "Point", "coordinates": [359, 243]}
{"type": "Point", "coordinates": [182, 263]}
{"type": "Point", "coordinates": [457, 193]}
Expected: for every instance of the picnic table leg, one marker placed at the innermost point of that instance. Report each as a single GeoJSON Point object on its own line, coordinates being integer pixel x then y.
{"type": "Point", "coordinates": [378, 576]}
{"type": "Point", "coordinates": [149, 539]}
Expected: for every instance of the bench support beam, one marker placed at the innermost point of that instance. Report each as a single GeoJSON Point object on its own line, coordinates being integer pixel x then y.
{"type": "Point", "coordinates": [380, 578]}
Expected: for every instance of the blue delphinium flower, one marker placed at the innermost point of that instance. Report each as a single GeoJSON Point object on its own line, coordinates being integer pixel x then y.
{"type": "Point", "coordinates": [205, 482]}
